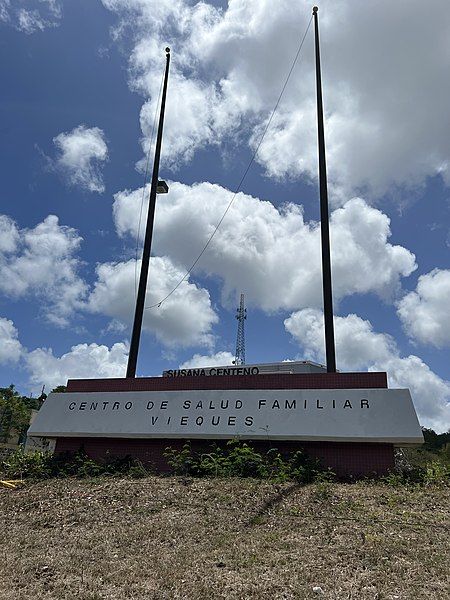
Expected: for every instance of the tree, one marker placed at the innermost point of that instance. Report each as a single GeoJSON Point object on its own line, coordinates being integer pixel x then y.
{"type": "Point", "coordinates": [15, 412]}
{"type": "Point", "coordinates": [435, 441]}
{"type": "Point", "coordinates": [59, 389]}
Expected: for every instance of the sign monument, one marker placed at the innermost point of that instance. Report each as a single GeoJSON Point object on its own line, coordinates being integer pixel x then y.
{"type": "Point", "coordinates": [350, 421]}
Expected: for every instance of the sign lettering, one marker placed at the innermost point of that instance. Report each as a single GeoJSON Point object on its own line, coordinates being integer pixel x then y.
{"type": "Point", "coordinates": [347, 415]}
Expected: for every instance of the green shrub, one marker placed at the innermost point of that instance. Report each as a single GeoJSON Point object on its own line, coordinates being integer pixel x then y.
{"type": "Point", "coordinates": [137, 470]}
{"type": "Point", "coordinates": [395, 479]}
{"type": "Point", "coordinates": [20, 465]}
{"type": "Point", "coordinates": [42, 465]}
{"type": "Point", "coordinates": [277, 469]}
{"type": "Point", "coordinates": [433, 472]}
{"type": "Point", "coordinates": [303, 468]}
{"type": "Point", "coordinates": [322, 492]}
{"type": "Point", "coordinates": [214, 464]}
{"type": "Point", "coordinates": [233, 459]}
{"type": "Point", "coordinates": [240, 459]}
{"type": "Point", "coordinates": [244, 461]}
{"type": "Point", "coordinates": [181, 461]}
{"type": "Point", "coordinates": [437, 473]}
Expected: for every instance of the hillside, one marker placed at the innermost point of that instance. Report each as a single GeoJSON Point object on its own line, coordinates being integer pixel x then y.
{"type": "Point", "coordinates": [161, 538]}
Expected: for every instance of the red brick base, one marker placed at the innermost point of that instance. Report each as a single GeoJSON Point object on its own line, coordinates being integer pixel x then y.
{"type": "Point", "coordinates": [344, 459]}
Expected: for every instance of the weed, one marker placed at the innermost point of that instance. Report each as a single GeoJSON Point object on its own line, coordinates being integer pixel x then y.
{"type": "Point", "coordinates": [181, 461]}
{"type": "Point", "coordinates": [394, 479]}
{"type": "Point", "coordinates": [19, 465]}
{"type": "Point", "coordinates": [138, 470]}
{"type": "Point", "coordinates": [432, 472]}
{"type": "Point", "coordinates": [323, 489]}
{"type": "Point", "coordinates": [240, 459]}
{"type": "Point", "coordinates": [437, 472]}
{"type": "Point", "coordinates": [233, 459]}
{"type": "Point", "coordinates": [43, 465]}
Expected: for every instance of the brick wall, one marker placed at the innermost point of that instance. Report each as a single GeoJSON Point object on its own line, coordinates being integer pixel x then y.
{"type": "Point", "coordinates": [275, 381]}
{"type": "Point", "coordinates": [345, 459]}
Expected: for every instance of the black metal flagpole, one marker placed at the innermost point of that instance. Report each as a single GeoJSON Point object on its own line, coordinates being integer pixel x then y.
{"type": "Point", "coordinates": [324, 217]}
{"type": "Point", "coordinates": [140, 301]}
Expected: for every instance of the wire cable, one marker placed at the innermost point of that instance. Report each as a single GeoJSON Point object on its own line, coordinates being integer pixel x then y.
{"type": "Point", "coordinates": [235, 193]}
{"type": "Point", "coordinates": [143, 188]}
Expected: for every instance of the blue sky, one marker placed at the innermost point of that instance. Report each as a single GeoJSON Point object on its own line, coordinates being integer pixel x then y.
{"type": "Point", "coordinates": [80, 85]}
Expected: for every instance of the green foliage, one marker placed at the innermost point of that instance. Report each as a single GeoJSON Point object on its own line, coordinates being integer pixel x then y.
{"type": "Point", "coordinates": [431, 472]}
{"type": "Point", "coordinates": [75, 465]}
{"type": "Point", "coordinates": [240, 459]}
{"type": "Point", "coordinates": [304, 469]}
{"type": "Point", "coordinates": [20, 465]}
{"type": "Point", "coordinates": [59, 389]}
{"type": "Point", "coordinates": [43, 465]}
{"type": "Point", "coordinates": [244, 461]}
{"type": "Point", "coordinates": [395, 479]}
{"type": "Point", "coordinates": [137, 470]}
{"type": "Point", "coordinates": [14, 413]}
{"type": "Point", "coordinates": [323, 492]}
{"type": "Point", "coordinates": [181, 461]}
{"type": "Point", "coordinates": [234, 459]}
{"type": "Point", "coordinates": [425, 465]}
{"type": "Point", "coordinates": [437, 473]}
{"type": "Point", "coordinates": [435, 441]}
{"type": "Point", "coordinates": [33, 403]}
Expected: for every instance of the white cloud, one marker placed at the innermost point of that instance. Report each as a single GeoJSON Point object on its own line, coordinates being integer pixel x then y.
{"type": "Point", "coordinates": [386, 86]}
{"type": "Point", "coordinates": [30, 21]}
{"type": "Point", "coordinates": [425, 313]}
{"type": "Point", "coordinates": [32, 15]}
{"type": "Point", "coordinates": [9, 234]}
{"type": "Point", "coordinates": [41, 261]}
{"type": "Point", "coordinates": [431, 394]}
{"type": "Point", "coordinates": [271, 254]}
{"type": "Point", "coordinates": [184, 319]}
{"type": "Point", "coordinates": [10, 347]}
{"type": "Point", "coordinates": [218, 359]}
{"type": "Point", "coordinates": [191, 103]}
{"type": "Point", "coordinates": [358, 347]}
{"type": "Point", "coordinates": [81, 153]}
{"type": "Point", "coordinates": [83, 361]}
{"type": "Point", "coordinates": [4, 6]}
{"type": "Point", "coordinates": [187, 124]}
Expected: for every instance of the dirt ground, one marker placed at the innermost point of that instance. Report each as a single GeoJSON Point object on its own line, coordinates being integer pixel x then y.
{"type": "Point", "coordinates": [160, 538]}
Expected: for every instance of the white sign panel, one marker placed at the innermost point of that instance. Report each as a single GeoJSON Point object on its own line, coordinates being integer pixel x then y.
{"type": "Point", "coordinates": [355, 415]}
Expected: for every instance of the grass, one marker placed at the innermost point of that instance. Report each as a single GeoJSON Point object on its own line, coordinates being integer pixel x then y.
{"type": "Point", "coordinates": [163, 538]}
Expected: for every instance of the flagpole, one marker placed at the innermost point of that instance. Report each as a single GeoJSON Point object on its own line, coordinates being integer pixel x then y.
{"type": "Point", "coordinates": [324, 215]}
{"type": "Point", "coordinates": [140, 301]}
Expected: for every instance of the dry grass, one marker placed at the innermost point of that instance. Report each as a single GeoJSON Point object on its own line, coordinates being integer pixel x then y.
{"type": "Point", "coordinates": [159, 538]}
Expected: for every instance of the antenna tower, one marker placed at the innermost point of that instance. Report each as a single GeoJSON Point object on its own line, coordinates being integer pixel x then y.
{"type": "Point", "coordinates": [241, 315]}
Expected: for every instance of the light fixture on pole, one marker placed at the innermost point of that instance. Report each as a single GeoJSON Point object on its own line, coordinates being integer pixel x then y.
{"type": "Point", "coordinates": [162, 187]}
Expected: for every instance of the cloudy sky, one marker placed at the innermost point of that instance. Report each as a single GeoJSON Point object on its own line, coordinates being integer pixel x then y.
{"type": "Point", "coordinates": [80, 87]}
